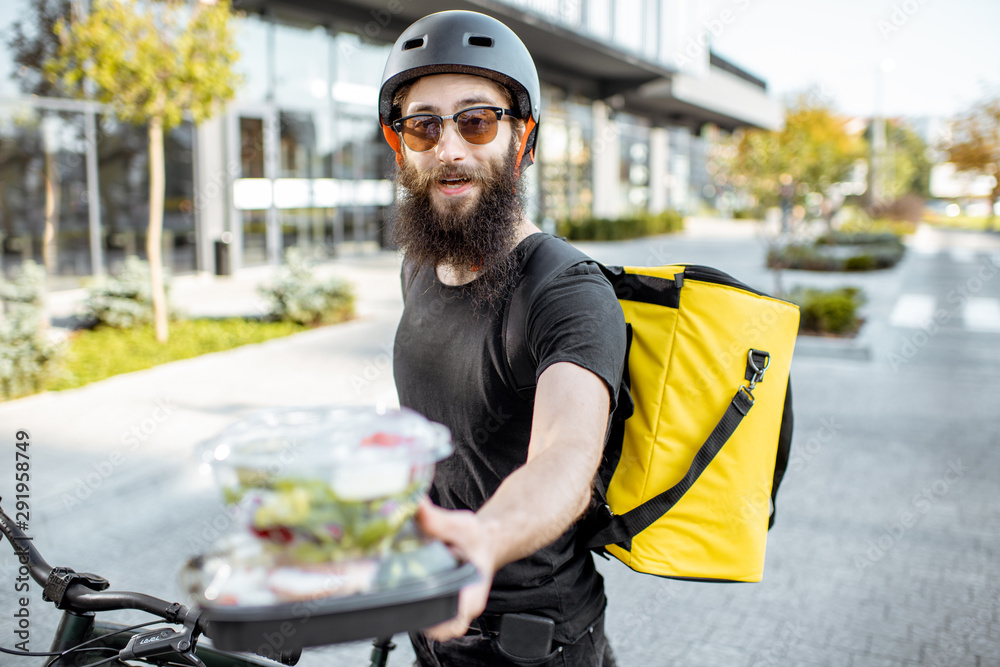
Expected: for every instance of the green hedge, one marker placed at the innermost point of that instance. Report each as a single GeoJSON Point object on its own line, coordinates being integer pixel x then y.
{"type": "Point", "coordinates": [828, 311]}
{"type": "Point", "coordinates": [28, 355]}
{"type": "Point", "coordinates": [125, 300]}
{"type": "Point", "coordinates": [617, 229]}
{"type": "Point", "coordinates": [840, 252]}
{"type": "Point", "coordinates": [298, 295]}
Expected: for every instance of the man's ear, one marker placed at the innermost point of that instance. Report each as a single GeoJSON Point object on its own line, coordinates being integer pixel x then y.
{"type": "Point", "coordinates": [518, 126]}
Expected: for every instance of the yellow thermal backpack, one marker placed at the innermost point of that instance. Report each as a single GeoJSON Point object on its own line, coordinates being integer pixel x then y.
{"type": "Point", "coordinates": [691, 475]}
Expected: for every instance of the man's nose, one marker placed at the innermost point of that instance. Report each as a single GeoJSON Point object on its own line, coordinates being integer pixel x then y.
{"type": "Point", "coordinates": [451, 147]}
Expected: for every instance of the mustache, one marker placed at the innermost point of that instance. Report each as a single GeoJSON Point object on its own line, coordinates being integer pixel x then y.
{"type": "Point", "coordinates": [421, 181]}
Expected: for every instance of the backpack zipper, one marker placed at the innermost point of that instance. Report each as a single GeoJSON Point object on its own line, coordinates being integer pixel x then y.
{"type": "Point", "coordinates": [707, 274]}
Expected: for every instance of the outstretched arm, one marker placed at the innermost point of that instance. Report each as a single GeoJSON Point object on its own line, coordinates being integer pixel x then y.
{"type": "Point", "coordinates": [539, 500]}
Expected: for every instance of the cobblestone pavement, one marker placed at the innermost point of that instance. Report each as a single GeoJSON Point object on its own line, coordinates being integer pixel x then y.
{"type": "Point", "coordinates": [887, 541]}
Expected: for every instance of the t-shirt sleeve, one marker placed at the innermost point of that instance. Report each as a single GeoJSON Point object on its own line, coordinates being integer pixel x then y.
{"type": "Point", "coordinates": [577, 319]}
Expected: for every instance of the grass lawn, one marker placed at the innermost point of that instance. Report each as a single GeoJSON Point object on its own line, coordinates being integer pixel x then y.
{"type": "Point", "coordinates": [96, 354]}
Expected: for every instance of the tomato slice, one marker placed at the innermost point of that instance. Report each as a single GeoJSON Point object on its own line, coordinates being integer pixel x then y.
{"type": "Point", "coordinates": [279, 534]}
{"type": "Point", "coordinates": [383, 439]}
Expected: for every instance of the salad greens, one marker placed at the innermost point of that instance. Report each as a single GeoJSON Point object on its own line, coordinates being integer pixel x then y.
{"type": "Point", "coordinates": [306, 520]}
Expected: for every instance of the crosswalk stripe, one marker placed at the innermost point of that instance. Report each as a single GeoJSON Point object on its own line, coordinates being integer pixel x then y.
{"type": "Point", "coordinates": [912, 310]}
{"type": "Point", "coordinates": [980, 314]}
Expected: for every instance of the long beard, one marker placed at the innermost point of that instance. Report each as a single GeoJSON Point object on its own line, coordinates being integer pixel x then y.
{"type": "Point", "coordinates": [479, 236]}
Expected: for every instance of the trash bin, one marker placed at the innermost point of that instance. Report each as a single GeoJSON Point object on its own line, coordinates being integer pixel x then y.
{"type": "Point", "coordinates": [223, 267]}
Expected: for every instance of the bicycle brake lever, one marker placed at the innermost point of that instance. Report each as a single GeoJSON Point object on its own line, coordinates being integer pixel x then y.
{"type": "Point", "coordinates": [161, 642]}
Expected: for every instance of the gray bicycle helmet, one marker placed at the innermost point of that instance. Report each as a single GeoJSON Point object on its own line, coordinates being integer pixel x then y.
{"type": "Point", "coordinates": [463, 42]}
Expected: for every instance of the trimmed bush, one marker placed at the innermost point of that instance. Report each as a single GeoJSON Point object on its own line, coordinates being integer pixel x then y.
{"type": "Point", "coordinates": [605, 229]}
{"type": "Point", "coordinates": [840, 252]}
{"type": "Point", "coordinates": [828, 311]}
{"type": "Point", "coordinates": [122, 301]}
{"type": "Point", "coordinates": [28, 356]}
{"type": "Point", "coordinates": [297, 295]}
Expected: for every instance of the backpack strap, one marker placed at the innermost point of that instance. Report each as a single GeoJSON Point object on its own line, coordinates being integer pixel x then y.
{"type": "Point", "coordinates": [784, 449]}
{"type": "Point", "coordinates": [407, 275]}
{"type": "Point", "coordinates": [623, 527]}
{"type": "Point", "coordinates": [547, 258]}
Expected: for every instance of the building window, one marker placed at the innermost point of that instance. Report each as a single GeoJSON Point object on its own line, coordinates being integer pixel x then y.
{"type": "Point", "coordinates": [564, 157]}
{"type": "Point", "coordinates": [252, 39]}
{"type": "Point", "coordinates": [634, 160]}
{"type": "Point", "coordinates": [43, 184]}
{"type": "Point", "coordinates": [123, 179]}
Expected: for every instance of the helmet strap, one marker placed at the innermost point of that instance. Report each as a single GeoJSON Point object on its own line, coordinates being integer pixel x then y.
{"type": "Point", "coordinates": [393, 140]}
{"type": "Point", "coordinates": [529, 127]}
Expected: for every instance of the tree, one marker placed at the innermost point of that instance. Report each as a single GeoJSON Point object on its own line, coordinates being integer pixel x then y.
{"type": "Point", "coordinates": [32, 44]}
{"type": "Point", "coordinates": [151, 62]}
{"type": "Point", "coordinates": [975, 143]}
{"type": "Point", "coordinates": [910, 165]}
{"type": "Point", "coordinates": [812, 152]}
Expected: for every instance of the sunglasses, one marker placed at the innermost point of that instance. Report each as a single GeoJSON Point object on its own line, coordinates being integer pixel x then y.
{"type": "Point", "coordinates": [477, 125]}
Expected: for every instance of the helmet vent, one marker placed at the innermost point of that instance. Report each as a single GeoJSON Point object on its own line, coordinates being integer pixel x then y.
{"type": "Point", "coordinates": [413, 43]}
{"type": "Point", "coordinates": [479, 40]}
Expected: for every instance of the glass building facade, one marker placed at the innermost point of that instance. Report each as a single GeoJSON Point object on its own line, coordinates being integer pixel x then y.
{"type": "Point", "coordinates": [298, 158]}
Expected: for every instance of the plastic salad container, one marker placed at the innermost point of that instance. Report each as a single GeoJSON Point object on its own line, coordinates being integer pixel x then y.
{"type": "Point", "coordinates": [323, 500]}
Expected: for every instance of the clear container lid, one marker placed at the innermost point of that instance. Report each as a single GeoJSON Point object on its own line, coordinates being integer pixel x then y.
{"type": "Point", "coordinates": [325, 499]}
{"type": "Point", "coordinates": [362, 452]}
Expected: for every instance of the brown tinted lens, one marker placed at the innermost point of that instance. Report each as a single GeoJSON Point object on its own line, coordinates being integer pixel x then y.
{"type": "Point", "coordinates": [421, 133]}
{"type": "Point", "coordinates": [477, 126]}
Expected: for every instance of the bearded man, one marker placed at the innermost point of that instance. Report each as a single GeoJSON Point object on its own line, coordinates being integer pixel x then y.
{"type": "Point", "coordinates": [459, 104]}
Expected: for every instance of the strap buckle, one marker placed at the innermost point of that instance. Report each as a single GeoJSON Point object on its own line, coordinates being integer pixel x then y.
{"type": "Point", "coordinates": [748, 397]}
{"type": "Point", "coordinates": [754, 373]}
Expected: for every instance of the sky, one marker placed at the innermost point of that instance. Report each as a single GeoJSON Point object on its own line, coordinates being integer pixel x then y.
{"type": "Point", "coordinates": [940, 55]}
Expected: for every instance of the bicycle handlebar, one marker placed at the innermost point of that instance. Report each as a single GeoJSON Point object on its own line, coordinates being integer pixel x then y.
{"type": "Point", "coordinates": [38, 568]}
{"type": "Point", "coordinates": [82, 592]}
{"type": "Point", "coordinates": [79, 596]}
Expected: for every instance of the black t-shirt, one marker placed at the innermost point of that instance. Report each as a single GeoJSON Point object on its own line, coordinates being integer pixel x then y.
{"type": "Point", "coordinates": [450, 366]}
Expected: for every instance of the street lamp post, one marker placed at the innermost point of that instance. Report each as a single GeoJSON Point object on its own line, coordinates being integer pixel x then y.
{"type": "Point", "coordinates": [878, 147]}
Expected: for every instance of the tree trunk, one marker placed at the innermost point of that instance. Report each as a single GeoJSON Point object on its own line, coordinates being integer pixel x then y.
{"type": "Point", "coordinates": [992, 221]}
{"type": "Point", "coordinates": [153, 237]}
{"type": "Point", "coordinates": [49, 244]}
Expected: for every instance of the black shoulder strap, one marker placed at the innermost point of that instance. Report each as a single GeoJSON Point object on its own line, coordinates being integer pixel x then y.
{"type": "Point", "coordinates": [407, 275]}
{"type": "Point", "coordinates": [784, 450]}
{"type": "Point", "coordinates": [547, 258]}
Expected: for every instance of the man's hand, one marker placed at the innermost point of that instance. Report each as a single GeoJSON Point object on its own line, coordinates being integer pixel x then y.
{"type": "Point", "coordinates": [462, 533]}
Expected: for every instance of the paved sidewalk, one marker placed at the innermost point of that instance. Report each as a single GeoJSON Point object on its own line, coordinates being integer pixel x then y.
{"type": "Point", "coordinates": [861, 573]}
